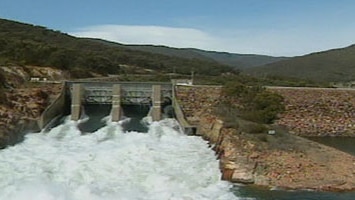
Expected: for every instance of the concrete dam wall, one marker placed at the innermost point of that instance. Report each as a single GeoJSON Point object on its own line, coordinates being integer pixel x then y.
{"type": "Point", "coordinates": [58, 108]}
{"type": "Point", "coordinates": [75, 95]}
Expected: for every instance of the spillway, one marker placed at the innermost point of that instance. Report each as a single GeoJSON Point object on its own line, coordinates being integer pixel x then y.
{"type": "Point", "coordinates": [111, 163]}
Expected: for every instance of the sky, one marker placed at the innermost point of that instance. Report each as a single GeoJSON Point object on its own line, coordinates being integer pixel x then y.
{"type": "Point", "coordinates": [268, 27]}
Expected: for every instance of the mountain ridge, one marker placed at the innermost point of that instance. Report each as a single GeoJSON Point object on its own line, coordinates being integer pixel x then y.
{"type": "Point", "coordinates": [235, 60]}
{"type": "Point", "coordinates": [334, 65]}
{"type": "Point", "coordinates": [26, 44]}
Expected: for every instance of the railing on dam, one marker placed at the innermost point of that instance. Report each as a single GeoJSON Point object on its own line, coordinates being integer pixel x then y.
{"type": "Point", "coordinates": [137, 93]}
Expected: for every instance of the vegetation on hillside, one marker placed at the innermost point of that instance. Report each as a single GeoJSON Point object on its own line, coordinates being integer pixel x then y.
{"type": "Point", "coordinates": [240, 61]}
{"type": "Point", "coordinates": [237, 61]}
{"type": "Point", "coordinates": [337, 65]}
{"type": "Point", "coordinates": [24, 44]}
{"type": "Point", "coordinates": [249, 107]}
{"type": "Point", "coordinates": [3, 99]}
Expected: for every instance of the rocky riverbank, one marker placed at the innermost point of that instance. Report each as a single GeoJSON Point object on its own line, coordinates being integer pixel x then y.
{"type": "Point", "coordinates": [27, 91]}
{"type": "Point", "coordinates": [22, 109]}
{"type": "Point", "coordinates": [281, 160]}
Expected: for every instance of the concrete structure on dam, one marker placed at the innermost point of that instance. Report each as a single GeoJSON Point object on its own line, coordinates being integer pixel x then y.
{"type": "Point", "coordinates": [76, 94]}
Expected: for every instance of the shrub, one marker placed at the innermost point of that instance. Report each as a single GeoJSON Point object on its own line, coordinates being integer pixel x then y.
{"type": "Point", "coordinates": [235, 89]}
{"type": "Point", "coordinates": [229, 115]}
{"type": "Point", "coordinates": [268, 105]}
{"type": "Point", "coordinates": [3, 98]}
{"type": "Point", "coordinates": [256, 103]}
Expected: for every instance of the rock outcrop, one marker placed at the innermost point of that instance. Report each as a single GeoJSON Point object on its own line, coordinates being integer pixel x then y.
{"type": "Point", "coordinates": [17, 76]}
{"type": "Point", "coordinates": [23, 108]}
{"type": "Point", "coordinates": [24, 101]}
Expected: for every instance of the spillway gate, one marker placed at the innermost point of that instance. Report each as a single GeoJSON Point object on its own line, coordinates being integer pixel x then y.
{"type": "Point", "coordinates": [117, 94]}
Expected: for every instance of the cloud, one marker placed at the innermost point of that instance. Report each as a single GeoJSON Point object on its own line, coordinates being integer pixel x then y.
{"type": "Point", "coordinates": [286, 42]}
{"type": "Point", "coordinates": [158, 35]}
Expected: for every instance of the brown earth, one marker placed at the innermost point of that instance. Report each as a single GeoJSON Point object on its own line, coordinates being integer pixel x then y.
{"type": "Point", "coordinates": [280, 160]}
{"type": "Point", "coordinates": [318, 112]}
{"type": "Point", "coordinates": [22, 110]}
{"type": "Point", "coordinates": [24, 101]}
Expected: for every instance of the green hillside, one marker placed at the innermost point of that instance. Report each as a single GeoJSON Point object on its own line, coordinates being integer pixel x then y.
{"type": "Point", "coordinates": [240, 61]}
{"type": "Point", "coordinates": [237, 61]}
{"type": "Point", "coordinates": [328, 66]}
{"type": "Point", "coordinates": [25, 44]}
{"type": "Point", "coordinates": [169, 51]}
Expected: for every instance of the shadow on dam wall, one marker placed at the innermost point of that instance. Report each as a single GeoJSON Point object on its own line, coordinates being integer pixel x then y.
{"type": "Point", "coordinates": [96, 114]}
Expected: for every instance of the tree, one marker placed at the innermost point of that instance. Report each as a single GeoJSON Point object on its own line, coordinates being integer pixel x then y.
{"type": "Point", "coordinates": [255, 103]}
{"type": "Point", "coordinates": [269, 105]}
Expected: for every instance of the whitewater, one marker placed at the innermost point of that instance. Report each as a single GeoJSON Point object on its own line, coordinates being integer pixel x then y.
{"type": "Point", "coordinates": [65, 164]}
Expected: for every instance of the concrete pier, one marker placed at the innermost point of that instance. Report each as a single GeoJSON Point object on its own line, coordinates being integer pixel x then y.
{"type": "Point", "coordinates": [76, 102]}
{"type": "Point", "coordinates": [116, 103]}
{"type": "Point", "coordinates": [156, 98]}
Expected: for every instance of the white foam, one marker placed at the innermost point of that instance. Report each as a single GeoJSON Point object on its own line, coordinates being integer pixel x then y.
{"type": "Point", "coordinates": [110, 164]}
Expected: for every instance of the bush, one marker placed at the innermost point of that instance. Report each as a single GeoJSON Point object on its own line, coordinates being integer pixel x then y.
{"type": "Point", "coordinates": [255, 128]}
{"type": "Point", "coordinates": [229, 115]}
{"type": "Point", "coordinates": [79, 73]}
{"type": "Point", "coordinates": [267, 106]}
{"type": "Point", "coordinates": [3, 99]}
{"type": "Point", "coordinates": [235, 89]}
{"type": "Point", "coordinates": [256, 103]}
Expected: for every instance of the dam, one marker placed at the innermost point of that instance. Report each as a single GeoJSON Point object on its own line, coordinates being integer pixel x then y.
{"type": "Point", "coordinates": [110, 164]}
{"type": "Point", "coordinates": [75, 95]}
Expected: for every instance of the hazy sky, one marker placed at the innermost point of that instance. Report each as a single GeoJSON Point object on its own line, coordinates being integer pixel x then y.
{"type": "Point", "coordinates": [271, 27]}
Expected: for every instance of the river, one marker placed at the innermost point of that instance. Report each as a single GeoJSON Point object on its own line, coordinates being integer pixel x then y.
{"type": "Point", "coordinates": [111, 163]}
{"type": "Point", "coordinates": [124, 160]}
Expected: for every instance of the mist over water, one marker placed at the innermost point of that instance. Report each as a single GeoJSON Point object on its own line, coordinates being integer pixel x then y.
{"type": "Point", "coordinates": [110, 163]}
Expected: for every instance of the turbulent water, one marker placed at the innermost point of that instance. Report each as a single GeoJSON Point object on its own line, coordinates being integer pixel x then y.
{"type": "Point", "coordinates": [65, 164]}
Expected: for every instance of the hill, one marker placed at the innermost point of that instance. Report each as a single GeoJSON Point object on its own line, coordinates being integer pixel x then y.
{"type": "Point", "coordinates": [237, 61]}
{"type": "Point", "coordinates": [336, 65]}
{"type": "Point", "coordinates": [25, 44]}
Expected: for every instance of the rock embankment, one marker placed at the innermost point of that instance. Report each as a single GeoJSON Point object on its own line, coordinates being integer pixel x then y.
{"type": "Point", "coordinates": [27, 91]}
{"type": "Point", "coordinates": [281, 160]}
{"type": "Point", "coordinates": [195, 99]}
{"type": "Point", "coordinates": [22, 110]}
{"type": "Point", "coordinates": [318, 112]}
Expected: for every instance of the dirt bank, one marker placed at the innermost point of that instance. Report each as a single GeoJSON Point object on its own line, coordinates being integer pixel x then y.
{"type": "Point", "coordinates": [281, 160]}
{"type": "Point", "coordinates": [27, 91]}
{"type": "Point", "coordinates": [23, 108]}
